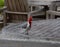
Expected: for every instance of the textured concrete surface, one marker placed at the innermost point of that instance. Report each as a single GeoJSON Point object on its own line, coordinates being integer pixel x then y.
{"type": "Point", "coordinates": [41, 29]}
{"type": "Point", "coordinates": [13, 35]}
{"type": "Point", "coordinates": [27, 43]}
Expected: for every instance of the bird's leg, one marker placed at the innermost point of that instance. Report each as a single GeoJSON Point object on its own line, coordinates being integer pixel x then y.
{"type": "Point", "coordinates": [27, 30]}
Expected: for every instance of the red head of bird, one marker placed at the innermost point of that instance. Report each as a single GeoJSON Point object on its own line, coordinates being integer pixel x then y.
{"type": "Point", "coordinates": [30, 21]}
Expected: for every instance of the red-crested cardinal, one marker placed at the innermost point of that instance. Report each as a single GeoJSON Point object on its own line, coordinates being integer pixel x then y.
{"type": "Point", "coordinates": [29, 23]}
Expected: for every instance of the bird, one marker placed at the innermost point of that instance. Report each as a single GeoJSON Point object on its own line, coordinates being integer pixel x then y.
{"type": "Point", "coordinates": [29, 23]}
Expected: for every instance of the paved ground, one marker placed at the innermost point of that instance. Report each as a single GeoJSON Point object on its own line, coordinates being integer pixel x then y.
{"type": "Point", "coordinates": [41, 29]}
{"type": "Point", "coordinates": [13, 35]}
